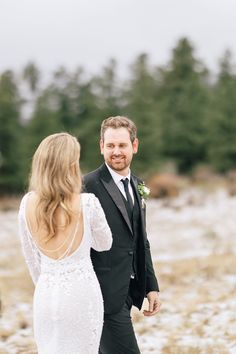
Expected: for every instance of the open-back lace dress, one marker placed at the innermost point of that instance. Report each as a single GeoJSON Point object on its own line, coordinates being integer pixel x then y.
{"type": "Point", "coordinates": [68, 304]}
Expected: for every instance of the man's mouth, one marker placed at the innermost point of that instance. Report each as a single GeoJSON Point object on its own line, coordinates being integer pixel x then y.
{"type": "Point", "coordinates": [117, 159]}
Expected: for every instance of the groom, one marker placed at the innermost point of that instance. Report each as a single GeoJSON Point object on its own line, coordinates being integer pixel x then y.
{"type": "Point", "coordinates": [125, 272]}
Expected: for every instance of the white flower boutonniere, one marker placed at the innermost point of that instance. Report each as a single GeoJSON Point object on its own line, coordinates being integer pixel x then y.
{"type": "Point", "coordinates": [143, 192]}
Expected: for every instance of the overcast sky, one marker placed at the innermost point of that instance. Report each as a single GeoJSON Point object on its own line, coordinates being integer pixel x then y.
{"type": "Point", "coordinates": [89, 32]}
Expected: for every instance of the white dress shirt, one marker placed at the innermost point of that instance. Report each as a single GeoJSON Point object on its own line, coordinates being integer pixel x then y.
{"type": "Point", "coordinates": [117, 179]}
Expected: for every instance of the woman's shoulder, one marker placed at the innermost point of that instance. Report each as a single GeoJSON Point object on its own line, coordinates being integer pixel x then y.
{"type": "Point", "coordinates": [24, 198]}
{"type": "Point", "coordinates": [22, 206]}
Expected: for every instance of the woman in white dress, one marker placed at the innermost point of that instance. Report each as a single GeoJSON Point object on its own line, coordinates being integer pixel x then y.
{"type": "Point", "coordinates": [58, 226]}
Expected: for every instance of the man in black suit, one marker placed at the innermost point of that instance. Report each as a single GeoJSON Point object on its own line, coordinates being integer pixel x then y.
{"type": "Point", "coordinates": [125, 272]}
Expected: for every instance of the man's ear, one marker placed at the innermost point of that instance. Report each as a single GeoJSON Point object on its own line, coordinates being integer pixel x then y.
{"type": "Point", "coordinates": [135, 145]}
{"type": "Point", "coordinates": [101, 146]}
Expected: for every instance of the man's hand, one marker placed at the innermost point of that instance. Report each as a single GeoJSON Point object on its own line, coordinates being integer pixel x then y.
{"type": "Point", "coordinates": [154, 304]}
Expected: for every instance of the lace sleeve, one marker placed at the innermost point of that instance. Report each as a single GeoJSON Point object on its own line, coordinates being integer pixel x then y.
{"type": "Point", "coordinates": [30, 252]}
{"type": "Point", "coordinates": [101, 233]}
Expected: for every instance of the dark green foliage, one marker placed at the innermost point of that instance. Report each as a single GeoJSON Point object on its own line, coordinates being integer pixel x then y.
{"type": "Point", "coordinates": [31, 75]}
{"type": "Point", "coordinates": [222, 118]}
{"type": "Point", "coordinates": [10, 134]}
{"type": "Point", "coordinates": [100, 98]}
{"type": "Point", "coordinates": [182, 115]}
{"type": "Point", "coordinates": [141, 105]}
{"type": "Point", "coordinates": [183, 101]}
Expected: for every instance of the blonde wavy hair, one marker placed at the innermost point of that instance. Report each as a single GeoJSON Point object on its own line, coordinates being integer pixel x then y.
{"type": "Point", "coordinates": [55, 176]}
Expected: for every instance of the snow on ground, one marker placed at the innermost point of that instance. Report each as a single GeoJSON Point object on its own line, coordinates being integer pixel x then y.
{"type": "Point", "coordinates": [194, 224]}
{"type": "Point", "coordinates": [193, 245]}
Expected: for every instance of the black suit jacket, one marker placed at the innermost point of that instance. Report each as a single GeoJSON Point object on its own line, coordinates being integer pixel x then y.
{"type": "Point", "coordinates": [114, 267]}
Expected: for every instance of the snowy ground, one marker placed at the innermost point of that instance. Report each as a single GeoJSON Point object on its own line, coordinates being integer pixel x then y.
{"type": "Point", "coordinates": [194, 250]}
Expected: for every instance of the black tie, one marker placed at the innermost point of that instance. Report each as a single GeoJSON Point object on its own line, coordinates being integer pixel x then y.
{"type": "Point", "coordinates": [129, 199]}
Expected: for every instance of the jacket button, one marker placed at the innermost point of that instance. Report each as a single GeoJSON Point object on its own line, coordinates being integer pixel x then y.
{"type": "Point", "coordinates": [130, 253]}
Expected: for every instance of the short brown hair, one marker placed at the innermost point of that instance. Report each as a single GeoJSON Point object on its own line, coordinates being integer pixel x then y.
{"type": "Point", "coordinates": [119, 122]}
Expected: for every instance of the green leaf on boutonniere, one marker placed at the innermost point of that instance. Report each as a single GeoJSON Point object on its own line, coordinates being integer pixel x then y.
{"type": "Point", "coordinates": [143, 191]}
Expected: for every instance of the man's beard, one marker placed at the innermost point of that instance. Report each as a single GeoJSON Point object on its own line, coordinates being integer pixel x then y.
{"type": "Point", "coordinates": [119, 164]}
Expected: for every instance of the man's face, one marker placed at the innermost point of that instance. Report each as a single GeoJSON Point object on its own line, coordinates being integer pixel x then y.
{"type": "Point", "coordinates": [118, 149]}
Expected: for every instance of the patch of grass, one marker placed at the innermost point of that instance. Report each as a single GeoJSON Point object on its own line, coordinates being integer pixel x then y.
{"type": "Point", "coordinates": [209, 268]}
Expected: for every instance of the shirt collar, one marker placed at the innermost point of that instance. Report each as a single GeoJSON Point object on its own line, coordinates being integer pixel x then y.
{"type": "Point", "coordinates": [116, 176]}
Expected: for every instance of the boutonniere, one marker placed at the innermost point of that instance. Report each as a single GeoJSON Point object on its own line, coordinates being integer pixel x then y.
{"type": "Point", "coordinates": [144, 192]}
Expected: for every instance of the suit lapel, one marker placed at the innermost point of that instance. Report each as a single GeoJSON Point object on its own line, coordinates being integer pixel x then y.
{"type": "Point", "coordinates": [115, 194]}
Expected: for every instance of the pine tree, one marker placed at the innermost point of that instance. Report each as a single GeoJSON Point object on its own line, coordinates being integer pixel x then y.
{"type": "Point", "coordinates": [10, 133]}
{"type": "Point", "coordinates": [141, 105]}
{"type": "Point", "coordinates": [222, 151]}
{"type": "Point", "coordinates": [183, 100]}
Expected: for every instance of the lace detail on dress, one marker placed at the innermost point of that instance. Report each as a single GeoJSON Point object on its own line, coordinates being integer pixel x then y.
{"type": "Point", "coordinates": [30, 251]}
{"type": "Point", "coordinates": [68, 305]}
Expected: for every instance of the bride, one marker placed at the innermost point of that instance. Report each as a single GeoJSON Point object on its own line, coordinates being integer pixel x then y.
{"type": "Point", "coordinates": [58, 226]}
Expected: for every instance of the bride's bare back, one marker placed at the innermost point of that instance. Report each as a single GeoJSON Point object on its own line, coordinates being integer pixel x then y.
{"type": "Point", "coordinates": [58, 245]}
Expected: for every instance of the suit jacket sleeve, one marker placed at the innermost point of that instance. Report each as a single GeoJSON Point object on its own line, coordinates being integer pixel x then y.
{"type": "Point", "coordinates": [151, 281]}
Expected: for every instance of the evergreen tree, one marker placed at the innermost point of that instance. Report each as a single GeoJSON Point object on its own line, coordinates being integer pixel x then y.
{"type": "Point", "coordinates": [184, 99]}
{"type": "Point", "coordinates": [31, 75]}
{"type": "Point", "coordinates": [45, 120]}
{"type": "Point", "coordinates": [141, 105]}
{"type": "Point", "coordinates": [222, 151]}
{"type": "Point", "coordinates": [100, 99]}
{"type": "Point", "coordinates": [10, 132]}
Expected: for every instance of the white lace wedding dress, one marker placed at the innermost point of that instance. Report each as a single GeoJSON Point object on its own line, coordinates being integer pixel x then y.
{"type": "Point", "coordinates": [68, 304]}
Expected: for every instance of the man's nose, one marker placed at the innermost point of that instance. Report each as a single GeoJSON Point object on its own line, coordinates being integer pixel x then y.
{"type": "Point", "coordinates": [116, 150]}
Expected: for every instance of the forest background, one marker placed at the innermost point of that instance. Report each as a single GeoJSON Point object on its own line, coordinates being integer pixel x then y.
{"type": "Point", "coordinates": [186, 114]}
